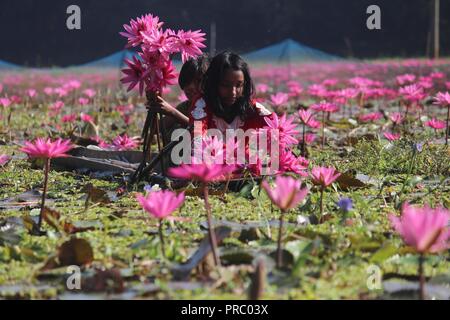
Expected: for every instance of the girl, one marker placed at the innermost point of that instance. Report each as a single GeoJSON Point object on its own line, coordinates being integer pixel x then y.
{"type": "Point", "coordinates": [227, 101]}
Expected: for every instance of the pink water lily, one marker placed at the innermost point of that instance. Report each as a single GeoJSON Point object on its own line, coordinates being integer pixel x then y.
{"type": "Point", "coordinates": [4, 159]}
{"type": "Point", "coordinates": [392, 136]}
{"type": "Point", "coordinates": [202, 172]}
{"type": "Point", "coordinates": [288, 162]}
{"type": "Point", "coordinates": [190, 43]}
{"type": "Point", "coordinates": [161, 204]}
{"type": "Point", "coordinates": [286, 194]}
{"type": "Point", "coordinates": [279, 99]}
{"type": "Point", "coordinates": [83, 101]}
{"type": "Point", "coordinates": [205, 173]}
{"type": "Point", "coordinates": [123, 143]}
{"type": "Point", "coordinates": [90, 93]}
{"type": "Point", "coordinates": [154, 70]}
{"type": "Point", "coordinates": [86, 117]}
{"type": "Point", "coordinates": [5, 102]}
{"type": "Point", "coordinates": [396, 117]}
{"type": "Point", "coordinates": [405, 78]}
{"type": "Point", "coordinates": [370, 117]}
{"type": "Point", "coordinates": [262, 88]}
{"type": "Point", "coordinates": [141, 24]}
{"type": "Point", "coordinates": [412, 93]}
{"type": "Point", "coordinates": [285, 126]}
{"type": "Point", "coordinates": [46, 149]}
{"type": "Point", "coordinates": [423, 228]}
{"type": "Point", "coordinates": [324, 176]}
{"type": "Point", "coordinates": [426, 230]}
{"type": "Point", "coordinates": [306, 116]}
{"type": "Point", "coordinates": [69, 118]}
{"type": "Point", "coordinates": [443, 99]}
{"type": "Point", "coordinates": [325, 107]}
{"type": "Point", "coordinates": [435, 124]}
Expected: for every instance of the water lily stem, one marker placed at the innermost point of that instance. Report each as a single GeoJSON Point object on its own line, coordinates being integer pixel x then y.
{"type": "Point", "coordinates": [161, 237]}
{"type": "Point", "coordinates": [212, 235]}
{"type": "Point", "coordinates": [323, 128]}
{"type": "Point", "coordinates": [447, 129]}
{"type": "Point", "coordinates": [280, 235]}
{"type": "Point", "coordinates": [44, 192]}
{"type": "Point", "coordinates": [321, 205]}
{"type": "Point", "coordinates": [303, 141]}
{"type": "Point", "coordinates": [421, 277]}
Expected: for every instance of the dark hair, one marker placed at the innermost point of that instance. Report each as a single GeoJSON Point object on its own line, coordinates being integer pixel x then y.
{"type": "Point", "coordinates": [219, 64]}
{"type": "Point", "coordinates": [193, 69]}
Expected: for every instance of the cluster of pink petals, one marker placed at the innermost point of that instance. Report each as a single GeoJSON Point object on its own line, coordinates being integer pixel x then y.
{"type": "Point", "coordinates": [137, 27]}
{"type": "Point", "coordinates": [318, 90]}
{"type": "Point", "coordinates": [425, 229]}
{"type": "Point", "coordinates": [347, 93]}
{"type": "Point", "coordinates": [123, 143]}
{"type": "Point", "coordinates": [86, 117]}
{"type": "Point", "coordinates": [309, 138]}
{"type": "Point", "coordinates": [5, 102]}
{"type": "Point", "coordinates": [285, 126]}
{"type": "Point", "coordinates": [202, 172]}
{"type": "Point", "coordinates": [89, 92]}
{"type": "Point", "coordinates": [83, 101]}
{"type": "Point", "coordinates": [190, 43]}
{"type": "Point", "coordinates": [305, 115]}
{"type": "Point", "coordinates": [295, 88]}
{"type": "Point", "coordinates": [373, 116]}
{"type": "Point", "coordinates": [392, 136]}
{"type": "Point", "coordinates": [435, 124]}
{"type": "Point", "coordinates": [47, 149]}
{"type": "Point", "coordinates": [4, 159]}
{"type": "Point", "coordinates": [405, 78]}
{"type": "Point", "coordinates": [287, 193]}
{"type": "Point", "coordinates": [362, 82]}
{"type": "Point", "coordinates": [153, 70]}
{"type": "Point", "coordinates": [57, 106]}
{"type": "Point", "coordinates": [442, 99]}
{"type": "Point", "coordinates": [324, 176]}
{"type": "Point", "coordinates": [412, 93]}
{"type": "Point", "coordinates": [325, 107]}
{"type": "Point", "coordinates": [396, 117]}
{"type": "Point", "coordinates": [279, 99]}
{"type": "Point", "coordinates": [262, 88]}
{"type": "Point", "coordinates": [288, 162]}
{"type": "Point", "coordinates": [160, 204]}
{"type": "Point", "coordinates": [69, 118]}
{"type": "Point", "coordinates": [31, 93]}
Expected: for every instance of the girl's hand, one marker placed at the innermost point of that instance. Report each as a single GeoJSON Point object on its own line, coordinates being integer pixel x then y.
{"type": "Point", "coordinates": [161, 105]}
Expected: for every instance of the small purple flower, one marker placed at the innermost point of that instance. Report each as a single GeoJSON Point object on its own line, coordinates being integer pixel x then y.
{"type": "Point", "coordinates": [345, 204]}
{"type": "Point", "coordinates": [417, 147]}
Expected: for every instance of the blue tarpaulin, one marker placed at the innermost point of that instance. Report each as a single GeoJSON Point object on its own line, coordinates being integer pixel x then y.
{"type": "Point", "coordinates": [8, 65]}
{"type": "Point", "coordinates": [115, 60]}
{"type": "Point", "coordinates": [288, 51]}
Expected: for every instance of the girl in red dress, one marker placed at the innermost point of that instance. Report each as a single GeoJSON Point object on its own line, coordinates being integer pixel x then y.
{"type": "Point", "coordinates": [228, 97]}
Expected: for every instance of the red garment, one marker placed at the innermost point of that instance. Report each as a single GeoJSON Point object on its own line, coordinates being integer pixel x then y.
{"type": "Point", "coordinates": [200, 111]}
